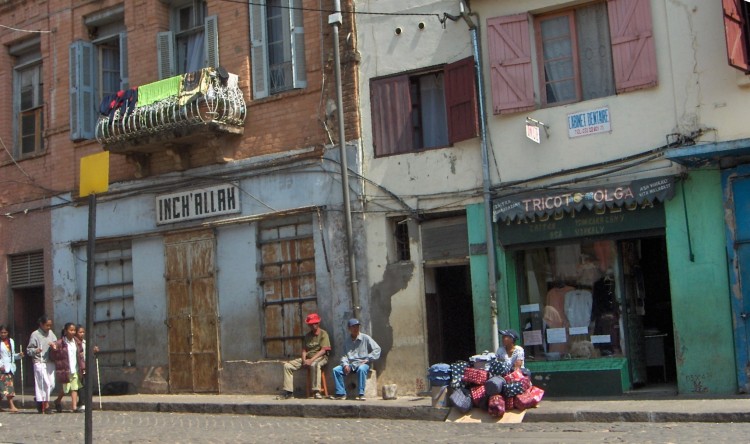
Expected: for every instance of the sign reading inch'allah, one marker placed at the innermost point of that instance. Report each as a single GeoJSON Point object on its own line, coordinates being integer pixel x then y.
{"type": "Point", "coordinates": [197, 204]}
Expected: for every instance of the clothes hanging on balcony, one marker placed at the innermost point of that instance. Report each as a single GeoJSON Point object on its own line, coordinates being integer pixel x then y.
{"type": "Point", "coordinates": [160, 90]}
{"type": "Point", "coordinates": [195, 84]}
{"type": "Point", "coordinates": [124, 101]}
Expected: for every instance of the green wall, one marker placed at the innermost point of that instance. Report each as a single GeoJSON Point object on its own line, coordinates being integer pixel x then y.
{"type": "Point", "coordinates": [479, 279]}
{"type": "Point", "coordinates": [704, 347]}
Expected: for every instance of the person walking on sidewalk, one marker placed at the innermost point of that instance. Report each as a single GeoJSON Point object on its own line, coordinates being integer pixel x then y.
{"type": "Point", "coordinates": [81, 335]}
{"type": "Point", "coordinates": [361, 350]}
{"type": "Point", "coordinates": [40, 343]}
{"type": "Point", "coordinates": [69, 366]}
{"type": "Point", "coordinates": [315, 349]}
{"type": "Point", "coordinates": [8, 360]}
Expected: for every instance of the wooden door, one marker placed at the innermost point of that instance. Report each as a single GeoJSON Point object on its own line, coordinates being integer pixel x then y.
{"type": "Point", "coordinates": [192, 317]}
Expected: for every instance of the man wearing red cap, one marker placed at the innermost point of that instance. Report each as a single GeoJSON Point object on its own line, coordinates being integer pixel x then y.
{"type": "Point", "coordinates": [315, 348]}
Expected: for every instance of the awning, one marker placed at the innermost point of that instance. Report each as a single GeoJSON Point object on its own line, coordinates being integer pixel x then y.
{"type": "Point", "coordinates": [548, 202]}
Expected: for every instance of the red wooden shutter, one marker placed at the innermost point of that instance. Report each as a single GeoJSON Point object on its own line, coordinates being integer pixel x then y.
{"type": "Point", "coordinates": [461, 100]}
{"type": "Point", "coordinates": [735, 28]}
{"type": "Point", "coordinates": [390, 104]}
{"type": "Point", "coordinates": [510, 64]}
{"type": "Point", "coordinates": [633, 50]}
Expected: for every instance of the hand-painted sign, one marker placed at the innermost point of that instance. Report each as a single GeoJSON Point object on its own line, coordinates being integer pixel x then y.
{"type": "Point", "coordinates": [197, 204]}
{"type": "Point", "coordinates": [549, 202]}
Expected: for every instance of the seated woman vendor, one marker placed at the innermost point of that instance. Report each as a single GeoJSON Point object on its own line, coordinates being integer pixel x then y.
{"type": "Point", "coordinates": [509, 351]}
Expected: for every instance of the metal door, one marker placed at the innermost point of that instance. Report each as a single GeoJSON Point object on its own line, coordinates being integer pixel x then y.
{"type": "Point", "coordinates": [740, 191]}
{"type": "Point", "coordinates": [192, 318]}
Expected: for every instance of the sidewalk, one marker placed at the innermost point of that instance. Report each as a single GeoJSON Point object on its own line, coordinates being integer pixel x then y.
{"type": "Point", "coordinates": [672, 409]}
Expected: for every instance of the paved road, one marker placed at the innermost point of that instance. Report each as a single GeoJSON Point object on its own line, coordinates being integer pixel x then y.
{"type": "Point", "coordinates": [143, 427]}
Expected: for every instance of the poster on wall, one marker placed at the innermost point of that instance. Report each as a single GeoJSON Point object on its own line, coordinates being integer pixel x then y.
{"type": "Point", "coordinates": [532, 337]}
{"type": "Point", "coordinates": [556, 336]}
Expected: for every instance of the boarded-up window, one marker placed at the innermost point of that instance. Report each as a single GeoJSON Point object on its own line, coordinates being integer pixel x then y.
{"type": "Point", "coordinates": [287, 280]}
{"type": "Point", "coordinates": [114, 314]}
{"type": "Point", "coordinates": [27, 270]}
{"type": "Point", "coordinates": [737, 30]}
{"type": "Point", "coordinates": [431, 109]}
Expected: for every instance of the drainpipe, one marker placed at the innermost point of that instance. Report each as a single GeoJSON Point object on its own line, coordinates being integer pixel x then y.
{"type": "Point", "coordinates": [335, 21]}
{"type": "Point", "coordinates": [491, 260]}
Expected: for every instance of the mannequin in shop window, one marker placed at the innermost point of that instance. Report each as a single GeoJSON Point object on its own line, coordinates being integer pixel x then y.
{"type": "Point", "coordinates": [554, 311]}
{"type": "Point", "coordinates": [605, 313]}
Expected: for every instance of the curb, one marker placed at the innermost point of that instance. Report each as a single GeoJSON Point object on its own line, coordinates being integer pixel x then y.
{"type": "Point", "coordinates": [654, 417]}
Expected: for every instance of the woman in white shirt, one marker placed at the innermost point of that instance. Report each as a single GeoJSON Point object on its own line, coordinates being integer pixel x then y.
{"type": "Point", "coordinates": [8, 360]}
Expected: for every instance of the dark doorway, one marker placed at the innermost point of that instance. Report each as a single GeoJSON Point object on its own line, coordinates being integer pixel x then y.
{"type": "Point", "coordinates": [28, 306]}
{"type": "Point", "coordinates": [450, 315]}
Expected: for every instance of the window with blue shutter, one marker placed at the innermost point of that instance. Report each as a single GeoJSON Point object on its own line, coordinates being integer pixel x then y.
{"type": "Point", "coordinates": [192, 43]}
{"type": "Point", "coordinates": [82, 90]}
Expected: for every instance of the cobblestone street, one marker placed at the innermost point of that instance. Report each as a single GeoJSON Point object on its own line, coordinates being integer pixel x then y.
{"type": "Point", "coordinates": [142, 427]}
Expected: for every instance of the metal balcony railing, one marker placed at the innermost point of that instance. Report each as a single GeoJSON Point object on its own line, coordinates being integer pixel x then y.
{"type": "Point", "coordinates": [220, 105]}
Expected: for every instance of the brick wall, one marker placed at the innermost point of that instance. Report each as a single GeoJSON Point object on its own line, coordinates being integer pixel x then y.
{"type": "Point", "coordinates": [275, 124]}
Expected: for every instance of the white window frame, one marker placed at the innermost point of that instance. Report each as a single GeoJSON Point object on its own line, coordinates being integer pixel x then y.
{"type": "Point", "coordinates": [293, 35]}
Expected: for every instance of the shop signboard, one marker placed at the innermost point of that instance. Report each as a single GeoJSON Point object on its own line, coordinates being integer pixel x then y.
{"type": "Point", "coordinates": [586, 123]}
{"type": "Point", "coordinates": [197, 203]}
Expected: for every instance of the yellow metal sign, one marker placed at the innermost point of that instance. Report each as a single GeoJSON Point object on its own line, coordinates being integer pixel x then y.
{"type": "Point", "coordinates": [94, 174]}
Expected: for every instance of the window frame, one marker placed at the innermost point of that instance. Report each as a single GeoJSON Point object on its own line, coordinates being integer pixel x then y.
{"type": "Point", "coordinates": [392, 105]}
{"type": "Point", "coordinates": [28, 62]}
{"type": "Point", "coordinates": [737, 33]}
{"type": "Point", "coordinates": [293, 26]}
{"type": "Point", "coordinates": [167, 41]}
{"type": "Point", "coordinates": [541, 62]}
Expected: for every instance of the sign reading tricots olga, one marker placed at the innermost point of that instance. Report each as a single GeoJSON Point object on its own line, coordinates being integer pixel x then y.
{"type": "Point", "coordinates": [197, 204]}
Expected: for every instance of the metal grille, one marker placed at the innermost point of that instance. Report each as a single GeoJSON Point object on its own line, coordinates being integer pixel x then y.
{"type": "Point", "coordinates": [27, 270]}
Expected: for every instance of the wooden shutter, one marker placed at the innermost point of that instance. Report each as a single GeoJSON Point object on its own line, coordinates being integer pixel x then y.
{"type": "Point", "coordinates": [461, 100]}
{"type": "Point", "coordinates": [633, 49]}
{"type": "Point", "coordinates": [258, 50]}
{"type": "Point", "coordinates": [510, 64]}
{"type": "Point", "coordinates": [27, 270]}
{"type": "Point", "coordinates": [124, 78]}
{"type": "Point", "coordinates": [736, 30]}
{"type": "Point", "coordinates": [299, 74]}
{"type": "Point", "coordinates": [165, 54]}
{"type": "Point", "coordinates": [211, 36]}
{"type": "Point", "coordinates": [82, 91]}
{"type": "Point", "coordinates": [390, 104]}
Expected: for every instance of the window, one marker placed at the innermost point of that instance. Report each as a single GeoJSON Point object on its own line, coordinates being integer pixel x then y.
{"type": "Point", "coordinates": [412, 112]}
{"type": "Point", "coordinates": [97, 68]}
{"type": "Point", "coordinates": [277, 46]}
{"type": "Point", "coordinates": [28, 98]}
{"type": "Point", "coordinates": [114, 311]}
{"type": "Point", "coordinates": [737, 29]}
{"type": "Point", "coordinates": [192, 42]}
{"type": "Point", "coordinates": [569, 303]}
{"type": "Point", "coordinates": [592, 51]}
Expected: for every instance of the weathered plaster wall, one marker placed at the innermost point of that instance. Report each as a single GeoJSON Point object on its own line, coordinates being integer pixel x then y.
{"type": "Point", "coordinates": [704, 349]}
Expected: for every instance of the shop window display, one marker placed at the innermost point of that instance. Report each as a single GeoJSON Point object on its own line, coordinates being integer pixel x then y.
{"type": "Point", "coordinates": [569, 303]}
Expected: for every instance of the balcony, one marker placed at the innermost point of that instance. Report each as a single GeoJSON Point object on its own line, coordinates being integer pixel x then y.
{"type": "Point", "coordinates": [173, 114]}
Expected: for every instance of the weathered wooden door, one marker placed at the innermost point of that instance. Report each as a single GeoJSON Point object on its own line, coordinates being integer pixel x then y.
{"type": "Point", "coordinates": [288, 283]}
{"type": "Point", "coordinates": [192, 318]}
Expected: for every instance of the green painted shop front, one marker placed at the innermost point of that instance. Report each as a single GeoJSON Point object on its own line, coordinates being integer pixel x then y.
{"type": "Point", "coordinates": [664, 268]}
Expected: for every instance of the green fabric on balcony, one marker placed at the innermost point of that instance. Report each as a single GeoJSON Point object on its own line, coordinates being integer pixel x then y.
{"type": "Point", "coordinates": [153, 92]}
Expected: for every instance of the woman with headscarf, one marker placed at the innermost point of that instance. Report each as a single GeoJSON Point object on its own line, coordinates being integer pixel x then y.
{"type": "Point", "coordinates": [509, 351]}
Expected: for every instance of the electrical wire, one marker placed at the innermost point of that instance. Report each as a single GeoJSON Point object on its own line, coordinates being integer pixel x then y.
{"type": "Point", "coordinates": [331, 11]}
{"type": "Point", "coordinates": [38, 31]}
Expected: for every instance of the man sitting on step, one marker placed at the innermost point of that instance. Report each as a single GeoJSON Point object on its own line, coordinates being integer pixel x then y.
{"type": "Point", "coordinates": [361, 349]}
{"type": "Point", "coordinates": [315, 348]}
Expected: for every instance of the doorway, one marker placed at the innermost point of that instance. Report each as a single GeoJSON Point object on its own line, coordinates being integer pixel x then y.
{"type": "Point", "coordinates": [450, 314]}
{"type": "Point", "coordinates": [28, 306]}
{"type": "Point", "coordinates": [648, 303]}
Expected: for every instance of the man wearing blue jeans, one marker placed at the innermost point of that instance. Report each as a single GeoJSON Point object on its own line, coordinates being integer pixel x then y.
{"type": "Point", "coordinates": [361, 349]}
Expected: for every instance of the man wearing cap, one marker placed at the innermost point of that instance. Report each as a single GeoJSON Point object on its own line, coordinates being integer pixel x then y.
{"type": "Point", "coordinates": [509, 351]}
{"type": "Point", "coordinates": [361, 349]}
{"type": "Point", "coordinates": [315, 348]}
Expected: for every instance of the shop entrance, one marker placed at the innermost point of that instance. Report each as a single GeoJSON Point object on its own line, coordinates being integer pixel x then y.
{"type": "Point", "coordinates": [450, 315]}
{"type": "Point", "coordinates": [28, 306]}
{"type": "Point", "coordinates": [648, 307]}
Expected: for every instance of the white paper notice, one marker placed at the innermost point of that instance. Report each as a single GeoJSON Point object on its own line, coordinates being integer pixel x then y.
{"type": "Point", "coordinates": [578, 331]}
{"type": "Point", "coordinates": [601, 339]}
{"type": "Point", "coordinates": [556, 336]}
{"type": "Point", "coordinates": [532, 337]}
{"type": "Point", "coordinates": [529, 308]}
